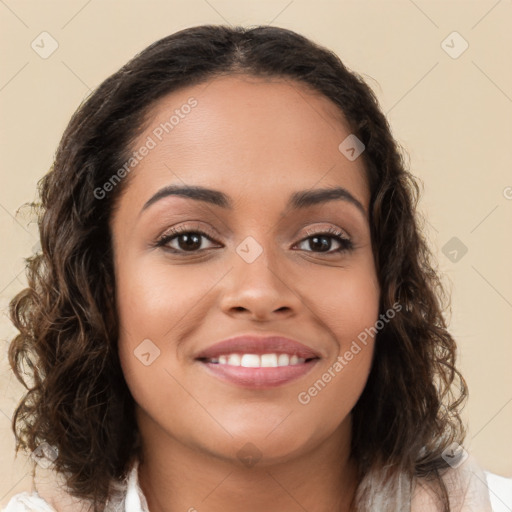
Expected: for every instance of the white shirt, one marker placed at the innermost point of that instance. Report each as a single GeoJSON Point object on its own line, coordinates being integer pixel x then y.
{"type": "Point", "coordinates": [128, 497]}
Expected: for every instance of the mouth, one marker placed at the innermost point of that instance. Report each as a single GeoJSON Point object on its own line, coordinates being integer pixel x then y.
{"type": "Point", "coordinates": [257, 371]}
{"type": "Point", "coordinates": [258, 360]}
{"type": "Point", "coordinates": [253, 361]}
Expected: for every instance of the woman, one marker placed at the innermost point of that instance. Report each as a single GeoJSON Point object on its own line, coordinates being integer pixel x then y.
{"type": "Point", "coordinates": [234, 307]}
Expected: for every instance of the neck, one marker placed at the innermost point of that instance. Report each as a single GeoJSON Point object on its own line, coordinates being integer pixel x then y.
{"type": "Point", "coordinates": [176, 478]}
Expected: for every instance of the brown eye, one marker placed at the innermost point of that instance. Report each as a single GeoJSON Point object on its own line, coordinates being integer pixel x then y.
{"type": "Point", "coordinates": [185, 240]}
{"type": "Point", "coordinates": [189, 241]}
{"type": "Point", "coordinates": [322, 242]}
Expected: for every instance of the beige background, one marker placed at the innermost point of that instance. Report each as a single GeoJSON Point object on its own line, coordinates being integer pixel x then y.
{"type": "Point", "coordinates": [452, 115]}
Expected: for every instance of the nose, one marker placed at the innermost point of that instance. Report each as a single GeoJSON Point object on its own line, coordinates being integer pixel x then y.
{"type": "Point", "coordinates": [260, 290]}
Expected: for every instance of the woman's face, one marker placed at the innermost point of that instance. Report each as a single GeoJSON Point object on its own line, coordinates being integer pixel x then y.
{"type": "Point", "coordinates": [260, 269]}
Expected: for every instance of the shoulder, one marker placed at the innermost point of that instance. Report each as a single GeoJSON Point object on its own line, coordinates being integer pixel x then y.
{"type": "Point", "coordinates": [467, 489]}
{"type": "Point", "coordinates": [500, 490]}
{"type": "Point", "coordinates": [51, 495]}
{"type": "Point", "coordinates": [27, 502]}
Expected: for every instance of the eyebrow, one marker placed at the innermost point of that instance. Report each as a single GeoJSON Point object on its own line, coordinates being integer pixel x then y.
{"type": "Point", "coordinates": [298, 200]}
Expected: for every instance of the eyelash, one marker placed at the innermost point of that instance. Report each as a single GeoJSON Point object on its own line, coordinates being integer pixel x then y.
{"type": "Point", "coordinates": [346, 245]}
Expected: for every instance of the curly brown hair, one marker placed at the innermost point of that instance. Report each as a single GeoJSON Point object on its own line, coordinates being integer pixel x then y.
{"type": "Point", "coordinates": [78, 401]}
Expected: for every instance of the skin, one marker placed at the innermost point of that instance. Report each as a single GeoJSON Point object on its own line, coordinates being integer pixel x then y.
{"type": "Point", "coordinates": [258, 141]}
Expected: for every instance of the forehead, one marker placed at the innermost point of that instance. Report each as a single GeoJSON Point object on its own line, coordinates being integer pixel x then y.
{"type": "Point", "coordinates": [268, 137]}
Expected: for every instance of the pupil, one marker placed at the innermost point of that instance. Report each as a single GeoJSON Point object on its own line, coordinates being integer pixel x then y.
{"type": "Point", "coordinates": [322, 245]}
{"type": "Point", "coordinates": [191, 242]}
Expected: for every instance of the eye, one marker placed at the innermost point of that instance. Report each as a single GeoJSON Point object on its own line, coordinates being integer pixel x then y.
{"type": "Point", "coordinates": [190, 240]}
{"type": "Point", "coordinates": [185, 238]}
{"type": "Point", "coordinates": [320, 240]}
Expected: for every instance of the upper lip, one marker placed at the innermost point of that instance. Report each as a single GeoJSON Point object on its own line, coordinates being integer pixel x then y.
{"type": "Point", "coordinates": [254, 344]}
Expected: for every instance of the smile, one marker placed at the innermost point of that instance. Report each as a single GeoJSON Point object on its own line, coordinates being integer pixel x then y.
{"type": "Point", "coordinates": [257, 360]}
{"type": "Point", "coordinates": [258, 371]}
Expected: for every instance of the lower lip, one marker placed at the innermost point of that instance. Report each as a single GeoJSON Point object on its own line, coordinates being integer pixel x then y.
{"type": "Point", "coordinates": [259, 377]}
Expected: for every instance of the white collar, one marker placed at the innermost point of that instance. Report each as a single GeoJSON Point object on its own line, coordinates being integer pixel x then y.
{"type": "Point", "coordinates": [127, 496]}
{"type": "Point", "coordinates": [135, 499]}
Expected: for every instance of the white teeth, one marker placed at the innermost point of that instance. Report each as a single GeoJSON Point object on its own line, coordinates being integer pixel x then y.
{"type": "Point", "coordinates": [283, 360]}
{"type": "Point", "coordinates": [250, 361]}
{"type": "Point", "coordinates": [235, 360]}
{"type": "Point", "coordinates": [257, 361]}
{"type": "Point", "coordinates": [268, 360]}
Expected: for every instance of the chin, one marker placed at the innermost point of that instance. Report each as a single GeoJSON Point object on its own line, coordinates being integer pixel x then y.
{"type": "Point", "coordinates": [261, 449]}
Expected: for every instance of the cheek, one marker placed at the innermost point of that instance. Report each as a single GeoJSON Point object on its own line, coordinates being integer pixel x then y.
{"type": "Point", "coordinates": [153, 297]}
{"type": "Point", "coordinates": [158, 304]}
{"type": "Point", "coordinates": [346, 300]}
{"type": "Point", "coordinates": [349, 309]}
